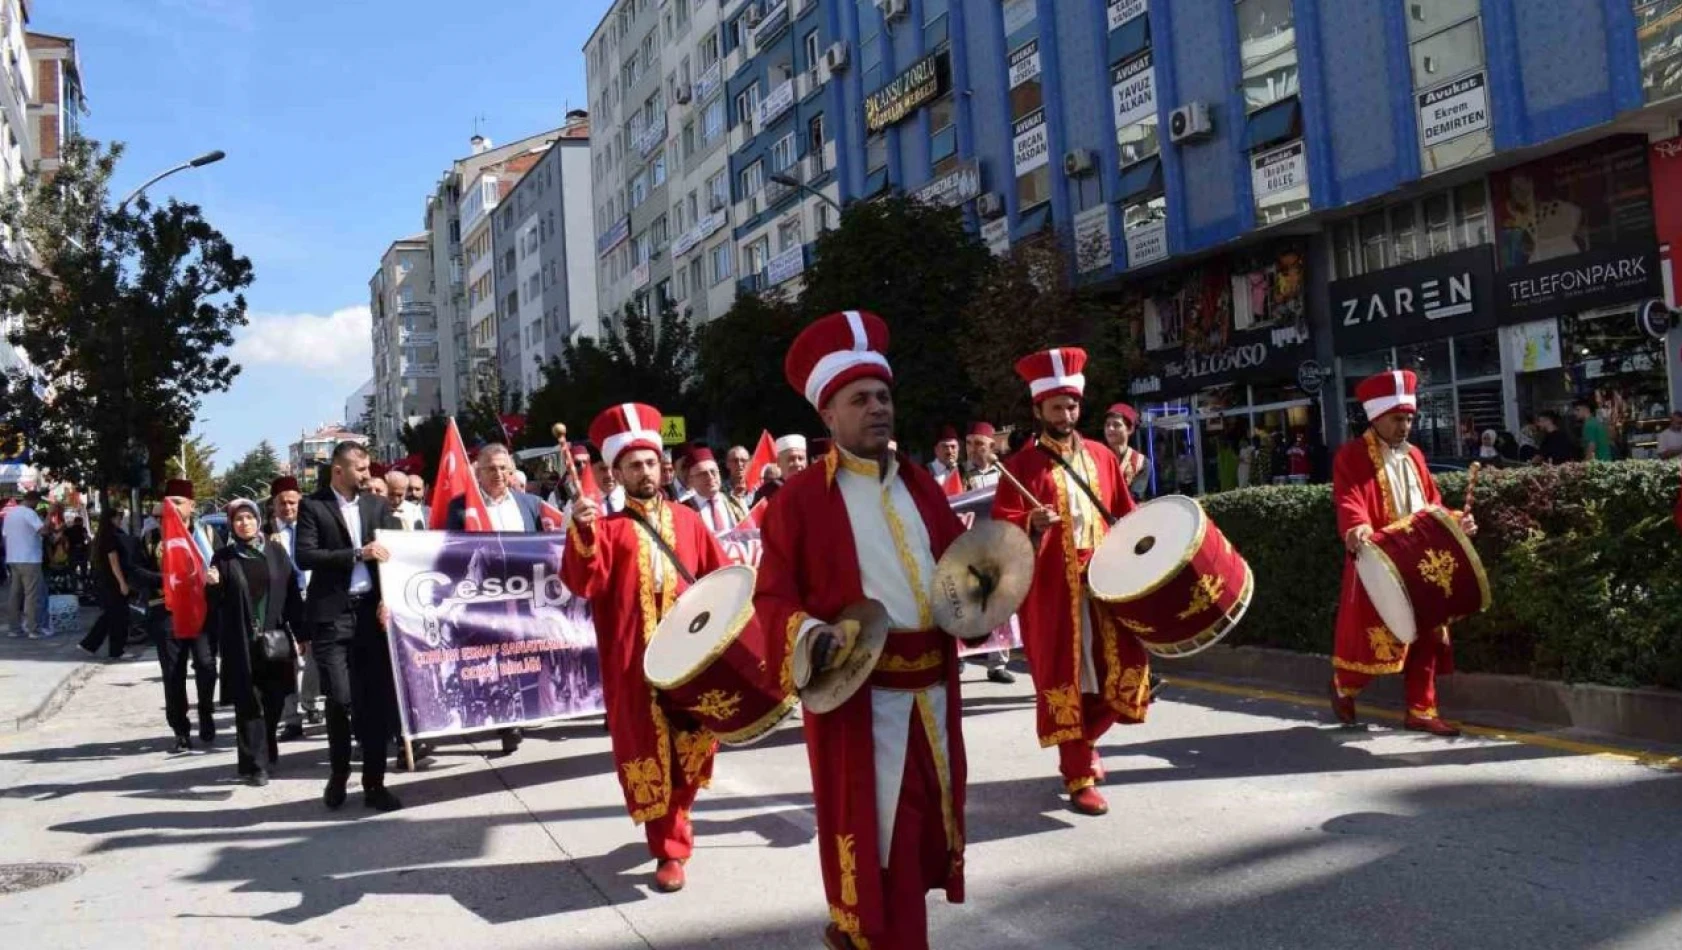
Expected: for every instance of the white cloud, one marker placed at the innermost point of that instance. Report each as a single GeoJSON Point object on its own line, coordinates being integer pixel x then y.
{"type": "Point", "coordinates": [338, 346]}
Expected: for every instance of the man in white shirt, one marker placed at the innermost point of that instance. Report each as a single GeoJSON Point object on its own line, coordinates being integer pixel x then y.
{"type": "Point", "coordinates": [1670, 440]}
{"type": "Point", "coordinates": [24, 530]}
{"type": "Point", "coordinates": [303, 704]}
{"type": "Point", "coordinates": [510, 509]}
{"type": "Point", "coordinates": [737, 459]}
{"type": "Point", "coordinates": [406, 512]}
{"type": "Point", "coordinates": [719, 509]}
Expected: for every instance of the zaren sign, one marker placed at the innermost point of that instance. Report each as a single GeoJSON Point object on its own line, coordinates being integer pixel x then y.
{"type": "Point", "coordinates": [1412, 303]}
{"type": "Point", "coordinates": [904, 93]}
{"type": "Point", "coordinates": [1623, 273]}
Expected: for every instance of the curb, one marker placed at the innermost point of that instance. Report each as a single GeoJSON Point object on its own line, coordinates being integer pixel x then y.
{"type": "Point", "coordinates": [56, 699]}
{"type": "Point", "coordinates": [1647, 715]}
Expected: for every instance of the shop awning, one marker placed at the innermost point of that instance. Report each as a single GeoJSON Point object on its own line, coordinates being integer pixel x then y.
{"type": "Point", "coordinates": [1141, 178]}
{"type": "Point", "coordinates": [1276, 123]}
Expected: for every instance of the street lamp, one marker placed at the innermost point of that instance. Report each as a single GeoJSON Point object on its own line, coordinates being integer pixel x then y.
{"type": "Point", "coordinates": [789, 181]}
{"type": "Point", "coordinates": [208, 158]}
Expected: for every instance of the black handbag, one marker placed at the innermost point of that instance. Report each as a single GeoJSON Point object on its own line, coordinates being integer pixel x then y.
{"type": "Point", "coordinates": [271, 646]}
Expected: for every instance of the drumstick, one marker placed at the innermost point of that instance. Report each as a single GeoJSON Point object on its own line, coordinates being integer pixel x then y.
{"type": "Point", "coordinates": [1471, 483]}
{"type": "Point", "coordinates": [1005, 472]}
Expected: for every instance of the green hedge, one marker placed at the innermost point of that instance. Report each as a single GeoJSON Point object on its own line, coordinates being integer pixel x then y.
{"type": "Point", "coordinates": [1584, 563]}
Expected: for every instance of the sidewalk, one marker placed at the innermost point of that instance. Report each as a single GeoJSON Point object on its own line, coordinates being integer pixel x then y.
{"type": "Point", "coordinates": [37, 676]}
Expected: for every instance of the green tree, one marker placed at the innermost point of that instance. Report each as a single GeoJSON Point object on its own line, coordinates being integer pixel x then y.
{"type": "Point", "coordinates": [916, 267]}
{"type": "Point", "coordinates": [250, 476]}
{"type": "Point", "coordinates": [640, 358]}
{"type": "Point", "coordinates": [200, 457]}
{"type": "Point", "coordinates": [125, 315]}
{"type": "Point", "coordinates": [426, 439]}
{"type": "Point", "coordinates": [739, 369]}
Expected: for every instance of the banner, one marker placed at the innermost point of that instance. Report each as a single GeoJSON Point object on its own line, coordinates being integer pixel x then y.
{"type": "Point", "coordinates": [485, 636]}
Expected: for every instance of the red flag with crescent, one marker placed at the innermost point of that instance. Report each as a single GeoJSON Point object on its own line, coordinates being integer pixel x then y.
{"type": "Point", "coordinates": [184, 576]}
{"type": "Point", "coordinates": [455, 480]}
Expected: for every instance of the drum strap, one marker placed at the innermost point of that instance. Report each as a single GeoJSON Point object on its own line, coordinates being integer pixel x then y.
{"type": "Point", "coordinates": [659, 542]}
{"type": "Point", "coordinates": [1103, 509]}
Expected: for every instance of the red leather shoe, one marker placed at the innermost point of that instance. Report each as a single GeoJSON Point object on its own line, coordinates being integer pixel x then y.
{"type": "Point", "coordinates": [1098, 773]}
{"type": "Point", "coordinates": [1431, 724]}
{"type": "Point", "coordinates": [1343, 707]}
{"type": "Point", "coordinates": [669, 877]}
{"type": "Point", "coordinates": [1087, 801]}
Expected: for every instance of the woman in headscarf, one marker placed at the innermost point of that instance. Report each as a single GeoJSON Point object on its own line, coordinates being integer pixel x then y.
{"type": "Point", "coordinates": [1487, 449]}
{"type": "Point", "coordinates": [257, 601]}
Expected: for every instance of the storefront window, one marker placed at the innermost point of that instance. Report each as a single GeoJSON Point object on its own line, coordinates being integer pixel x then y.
{"type": "Point", "coordinates": [1460, 390]}
{"type": "Point", "coordinates": [1477, 355]}
{"type": "Point", "coordinates": [1429, 360]}
{"type": "Point", "coordinates": [1606, 358]}
{"type": "Point", "coordinates": [1441, 222]}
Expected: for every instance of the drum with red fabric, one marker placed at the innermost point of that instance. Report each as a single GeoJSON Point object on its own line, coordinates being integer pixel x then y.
{"type": "Point", "coordinates": [1421, 573]}
{"type": "Point", "coordinates": [1168, 575]}
{"type": "Point", "coordinates": [709, 662]}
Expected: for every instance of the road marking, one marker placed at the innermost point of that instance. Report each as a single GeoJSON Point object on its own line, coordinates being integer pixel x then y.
{"type": "Point", "coordinates": [1575, 746]}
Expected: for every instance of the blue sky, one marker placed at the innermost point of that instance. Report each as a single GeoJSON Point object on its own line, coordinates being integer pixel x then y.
{"type": "Point", "coordinates": [338, 118]}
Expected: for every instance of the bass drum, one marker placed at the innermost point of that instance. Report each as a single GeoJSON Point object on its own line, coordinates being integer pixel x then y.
{"type": "Point", "coordinates": [1422, 573]}
{"type": "Point", "coordinates": [1167, 574]}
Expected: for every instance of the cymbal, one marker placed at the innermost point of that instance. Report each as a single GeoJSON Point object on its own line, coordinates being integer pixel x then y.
{"type": "Point", "coordinates": [982, 579]}
{"type": "Point", "coordinates": [826, 690]}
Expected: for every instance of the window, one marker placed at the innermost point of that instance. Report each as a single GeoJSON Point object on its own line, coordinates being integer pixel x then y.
{"type": "Point", "coordinates": [752, 179]}
{"type": "Point", "coordinates": [712, 121]}
{"type": "Point", "coordinates": [639, 189]}
{"type": "Point", "coordinates": [1435, 224]}
{"type": "Point", "coordinates": [688, 140]}
{"type": "Point", "coordinates": [782, 153]}
{"type": "Point", "coordinates": [755, 256]}
{"type": "Point", "coordinates": [1139, 140]}
{"type": "Point", "coordinates": [709, 50]}
{"type": "Point", "coordinates": [1447, 53]}
{"type": "Point", "coordinates": [659, 169]}
{"type": "Point", "coordinates": [1471, 214]}
{"type": "Point", "coordinates": [660, 232]}
{"type": "Point", "coordinates": [789, 234]}
{"type": "Point", "coordinates": [1267, 48]}
{"type": "Point", "coordinates": [695, 284]}
{"type": "Point", "coordinates": [747, 102]}
{"type": "Point", "coordinates": [876, 152]}
{"type": "Point", "coordinates": [1439, 236]}
{"type": "Point", "coordinates": [720, 260]}
{"type": "Point", "coordinates": [718, 191]}
{"type": "Point", "coordinates": [943, 129]}
{"type": "Point", "coordinates": [814, 57]}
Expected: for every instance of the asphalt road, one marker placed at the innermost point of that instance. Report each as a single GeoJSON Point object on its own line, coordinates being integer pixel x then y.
{"type": "Point", "coordinates": [1238, 821]}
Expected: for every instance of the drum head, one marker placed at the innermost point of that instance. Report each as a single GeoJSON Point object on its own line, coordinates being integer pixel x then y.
{"type": "Point", "coordinates": [1146, 548]}
{"type": "Point", "coordinates": [1385, 589]}
{"type": "Point", "coordinates": [703, 623]}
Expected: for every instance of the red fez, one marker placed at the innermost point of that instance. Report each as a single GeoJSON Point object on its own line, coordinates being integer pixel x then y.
{"type": "Point", "coordinates": [1054, 372]}
{"type": "Point", "coordinates": [178, 488]}
{"type": "Point", "coordinates": [618, 429]}
{"type": "Point", "coordinates": [378, 469]}
{"type": "Point", "coordinates": [700, 454]}
{"type": "Point", "coordinates": [982, 428]}
{"type": "Point", "coordinates": [947, 434]}
{"type": "Point", "coordinates": [1126, 412]}
{"type": "Point", "coordinates": [836, 350]}
{"type": "Point", "coordinates": [580, 451]}
{"type": "Point", "coordinates": [1393, 391]}
{"type": "Point", "coordinates": [283, 483]}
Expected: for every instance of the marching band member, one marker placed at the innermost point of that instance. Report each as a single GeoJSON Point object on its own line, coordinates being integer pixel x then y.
{"type": "Point", "coordinates": [622, 564]}
{"type": "Point", "coordinates": [888, 766]}
{"type": "Point", "coordinates": [1120, 422]}
{"type": "Point", "coordinates": [1376, 480]}
{"type": "Point", "coordinates": [1088, 673]}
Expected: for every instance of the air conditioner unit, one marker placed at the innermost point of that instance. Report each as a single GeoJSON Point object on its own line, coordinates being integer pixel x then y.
{"type": "Point", "coordinates": [1189, 123]}
{"type": "Point", "coordinates": [893, 9]}
{"type": "Point", "coordinates": [683, 94]}
{"type": "Point", "coordinates": [835, 58]}
{"type": "Point", "coordinates": [1079, 162]}
{"type": "Point", "coordinates": [990, 205]}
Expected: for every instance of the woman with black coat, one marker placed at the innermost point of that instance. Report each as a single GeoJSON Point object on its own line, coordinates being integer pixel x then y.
{"type": "Point", "coordinates": [112, 572]}
{"type": "Point", "coordinates": [256, 600]}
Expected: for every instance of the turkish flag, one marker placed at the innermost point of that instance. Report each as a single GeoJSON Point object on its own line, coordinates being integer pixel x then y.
{"type": "Point", "coordinates": [455, 480]}
{"type": "Point", "coordinates": [184, 576]}
{"type": "Point", "coordinates": [754, 514]}
{"type": "Point", "coordinates": [587, 481]}
{"type": "Point", "coordinates": [765, 453]}
{"type": "Point", "coordinates": [550, 518]}
{"type": "Point", "coordinates": [953, 483]}
{"type": "Point", "coordinates": [512, 425]}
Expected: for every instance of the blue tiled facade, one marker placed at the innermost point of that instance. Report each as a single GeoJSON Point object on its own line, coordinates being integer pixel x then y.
{"type": "Point", "coordinates": [1559, 74]}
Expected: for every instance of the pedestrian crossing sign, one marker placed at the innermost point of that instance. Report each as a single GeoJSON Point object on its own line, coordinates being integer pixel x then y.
{"type": "Point", "coordinates": [674, 431]}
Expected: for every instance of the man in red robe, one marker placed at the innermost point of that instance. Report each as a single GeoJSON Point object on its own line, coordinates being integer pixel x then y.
{"type": "Point", "coordinates": [887, 766]}
{"type": "Point", "coordinates": [1378, 479]}
{"type": "Point", "coordinates": [1089, 673]}
{"type": "Point", "coordinates": [631, 583]}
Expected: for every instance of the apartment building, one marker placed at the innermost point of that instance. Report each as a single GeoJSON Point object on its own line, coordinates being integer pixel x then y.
{"type": "Point", "coordinates": [443, 225]}
{"type": "Point", "coordinates": [406, 343]}
{"type": "Point", "coordinates": [55, 111]}
{"type": "Point", "coordinates": [543, 240]}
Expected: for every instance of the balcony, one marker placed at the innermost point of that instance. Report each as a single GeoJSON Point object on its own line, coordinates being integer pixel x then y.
{"type": "Point", "coordinates": [709, 81]}
{"type": "Point", "coordinates": [772, 107]}
{"type": "Point", "coordinates": [742, 133]}
{"type": "Point", "coordinates": [748, 207]}
{"type": "Point", "coordinates": [774, 23]}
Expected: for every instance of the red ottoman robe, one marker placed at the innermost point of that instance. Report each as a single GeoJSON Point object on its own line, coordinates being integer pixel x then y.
{"type": "Point", "coordinates": [661, 764]}
{"type": "Point", "coordinates": [809, 571]}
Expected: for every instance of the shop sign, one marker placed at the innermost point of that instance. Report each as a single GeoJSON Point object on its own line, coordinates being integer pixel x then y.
{"type": "Point", "coordinates": [1598, 278]}
{"type": "Point", "coordinates": [1147, 243]}
{"type": "Point", "coordinates": [786, 266]}
{"type": "Point", "coordinates": [1120, 11]}
{"type": "Point", "coordinates": [1018, 14]}
{"type": "Point", "coordinates": [708, 83]}
{"type": "Point", "coordinates": [774, 105]}
{"type": "Point", "coordinates": [1031, 143]}
{"type": "Point", "coordinates": [651, 137]}
{"type": "Point", "coordinates": [1025, 63]}
{"type": "Point", "coordinates": [903, 94]}
{"type": "Point", "coordinates": [614, 236]}
{"type": "Point", "coordinates": [1133, 91]}
{"type": "Point", "coordinates": [1092, 239]}
{"type": "Point", "coordinates": [1453, 109]}
{"type": "Point", "coordinates": [1279, 170]}
{"type": "Point", "coordinates": [1311, 376]}
{"type": "Point", "coordinates": [1425, 300]}
{"type": "Point", "coordinates": [1598, 196]}
{"type": "Point", "coordinates": [996, 235]}
{"type": "Point", "coordinates": [957, 186]}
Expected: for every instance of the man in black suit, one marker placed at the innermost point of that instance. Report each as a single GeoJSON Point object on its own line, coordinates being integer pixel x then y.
{"type": "Point", "coordinates": [336, 545]}
{"type": "Point", "coordinates": [510, 509]}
